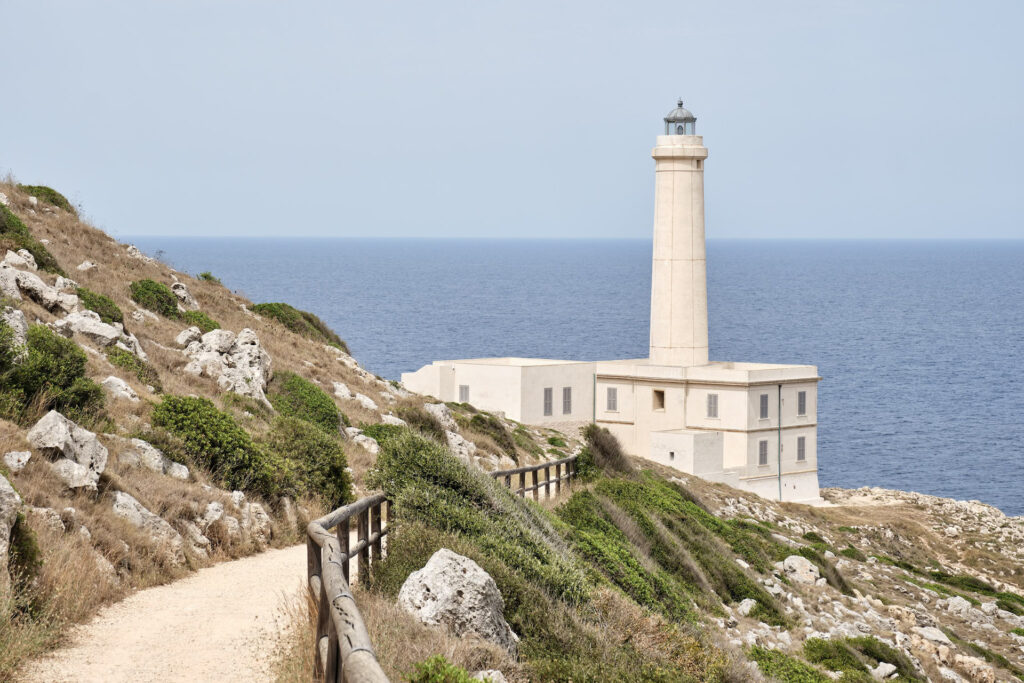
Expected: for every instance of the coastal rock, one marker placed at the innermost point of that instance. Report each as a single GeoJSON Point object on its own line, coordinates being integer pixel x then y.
{"type": "Point", "coordinates": [366, 402]}
{"type": "Point", "coordinates": [4, 200]}
{"type": "Point", "coordinates": [15, 320]}
{"type": "Point", "coordinates": [20, 259]}
{"type": "Point", "coordinates": [86, 265]}
{"type": "Point", "coordinates": [118, 388]}
{"type": "Point", "coordinates": [9, 284]}
{"type": "Point", "coordinates": [33, 287]}
{"type": "Point", "coordinates": [134, 252]}
{"type": "Point", "coordinates": [184, 296]}
{"type": "Point", "coordinates": [367, 443]}
{"type": "Point", "coordinates": [188, 335]}
{"type": "Point", "coordinates": [799, 569]}
{"type": "Point", "coordinates": [89, 325]}
{"type": "Point", "coordinates": [460, 447]}
{"type": "Point", "coordinates": [65, 285]}
{"type": "Point", "coordinates": [16, 460]}
{"type": "Point", "coordinates": [443, 414]}
{"type": "Point", "coordinates": [341, 390]}
{"type": "Point", "coordinates": [238, 363]}
{"type": "Point", "coordinates": [393, 420]}
{"type": "Point", "coordinates": [128, 508]}
{"type": "Point", "coordinates": [56, 435]}
{"type": "Point", "coordinates": [746, 606]}
{"type": "Point", "coordinates": [144, 454]}
{"type": "Point", "coordinates": [932, 634]}
{"type": "Point", "coordinates": [454, 591]}
{"type": "Point", "coordinates": [883, 670]}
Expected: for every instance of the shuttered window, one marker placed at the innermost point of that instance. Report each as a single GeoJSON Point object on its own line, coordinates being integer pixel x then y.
{"type": "Point", "coordinates": [566, 400]}
{"type": "Point", "coordinates": [801, 448]}
{"type": "Point", "coordinates": [762, 452]}
{"type": "Point", "coordinates": [764, 406]}
{"type": "Point", "coordinates": [712, 405]}
{"type": "Point", "coordinates": [548, 401]}
{"type": "Point", "coordinates": [463, 393]}
{"type": "Point", "coordinates": [613, 399]}
{"type": "Point", "coordinates": [801, 403]}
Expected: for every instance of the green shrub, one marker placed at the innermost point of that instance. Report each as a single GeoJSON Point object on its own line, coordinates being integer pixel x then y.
{"type": "Point", "coordinates": [51, 372]}
{"type": "Point", "coordinates": [422, 421]}
{"type": "Point", "coordinates": [1010, 606]}
{"type": "Point", "coordinates": [834, 655]}
{"type": "Point", "coordinates": [101, 304]}
{"type": "Point", "coordinates": [1017, 631]}
{"type": "Point", "coordinates": [155, 296]}
{"type": "Point", "coordinates": [315, 460]}
{"type": "Point", "coordinates": [204, 322]}
{"type": "Point", "coordinates": [207, 276]}
{"type": "Point", "coordinates": [49, 195]}
{"type": "Point", "coordinates": [604, 450]}
{"type": "Point", "coordinates": [437, 669]}
{"type": "Point", "coordinates": [813, 537]}
{"type": "Point", "coordinates": [381, 432]}
{"type": "Point", "coordinates": [782, 667]}
{"type": "Point", "coordinates": [876, 651]}
{"type": "Point", "coordinates": [301, 322]}
{"type": "Point", "coordinates": [485, 423]}
{"type": "Point", "coordinates": [556, 441]}
{"type": "Point", "coordinates": [964, 582]}
{"type": "Point", "coordinates": [143, 371]}
{"type": "Point", "coordinates": [828, 570]}
{"type": "Point", "coordinates": [14, 232]}
{"type": "Point", "coordinates": [849, 529]}
{"type": "Point", "coordinates": [295, 396]}
{"type": "Point", "coordinates": [213, 440]}
{"type": "Point", "coordinates": [852, 553]}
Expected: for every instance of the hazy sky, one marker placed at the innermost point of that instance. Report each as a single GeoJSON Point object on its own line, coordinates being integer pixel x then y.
{"type": "Point", "coordinates": [534, 119]}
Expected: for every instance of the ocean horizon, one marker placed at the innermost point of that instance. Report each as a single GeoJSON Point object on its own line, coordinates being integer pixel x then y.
{"type": "Point", "coordinates": [919, 342]}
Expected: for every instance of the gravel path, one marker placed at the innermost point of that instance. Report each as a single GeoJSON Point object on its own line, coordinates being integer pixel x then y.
{"type": "Point", "coordinates": [218, 624]}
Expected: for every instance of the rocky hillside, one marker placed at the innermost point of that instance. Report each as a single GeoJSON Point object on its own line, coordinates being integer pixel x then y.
{"type": "Point", "coordinates": [152, 422]}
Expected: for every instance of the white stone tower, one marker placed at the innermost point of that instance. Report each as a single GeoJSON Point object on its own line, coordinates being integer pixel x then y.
{"type": "Point", "coordinates": [679, 291]}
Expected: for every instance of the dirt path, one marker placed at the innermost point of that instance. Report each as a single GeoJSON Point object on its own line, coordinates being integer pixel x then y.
{"type": "Point", "coordinates": [218, 624]}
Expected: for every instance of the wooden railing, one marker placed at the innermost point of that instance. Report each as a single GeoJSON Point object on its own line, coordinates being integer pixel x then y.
{"type": "Point", "coordinates": [343, 652]}
{"type": "Point", "coordinates": [568, 465]}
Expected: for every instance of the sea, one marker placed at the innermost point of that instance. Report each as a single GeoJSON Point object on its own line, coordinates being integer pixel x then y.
{"type": "Point", "coordinates": [920, 344]}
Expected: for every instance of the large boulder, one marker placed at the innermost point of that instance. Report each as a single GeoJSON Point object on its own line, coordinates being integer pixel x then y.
{"type": "Point", "coordinates": [89, 325]}
{"type": "Point", "coordinates": [15, 320]}
{"type": "Point", "coordinates": [184, 296]}
{"type": "Point", "coordinates": [50, 298]}
{"type": "Point", "coordinates": [460, 447]}
{"type": "Point", "coordinates": [131, 510]}
{"type": "Point", "coordinates": [238, 363]}
{"type": "Point", "coordinates": [454, 591]}
{"type": "Point", "coordinates": [144, 454]}
{"type": "Point", "coordinates": [20, 259]}
{"type": "Point", "coordinates": [118, 388]}
{"type": "Point", "coordinates": [10, 505]}
{"type": "Point", "coordinates": [16, 460]}
{"type": "Point", "coordinates": [800, 570]}
{"type": "Point", "coordinates": [444, 415]}
{"type": "Point", "coordinates": [60, 438]}
{"type": "Point", "coordinates": [9, 283]}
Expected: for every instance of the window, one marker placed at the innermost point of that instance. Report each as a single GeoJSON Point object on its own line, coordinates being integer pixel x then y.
{"type": "Point", "coordinates": [658, 399]}
{"type": "Point", "coordinates": [801, 447]}
{"type": "Point", "coordinates": [566, 400]}
{"type": "Point", "coordinates": [463, 393]}
{"type": "Point", "coordinates": [712, 405]}
{"type": "Point", "coordinates": [671, 455]}
{"type": "Point", "coordinates": [613, 399]}
{"type": "Point", "coordinates": [764, 406]}
{"type": "Point", "coordinates": [762, 452]}
{"type": "Point", "coordinates": [548, 401]}
{"type": "Point", "coordinates": [698, 164]}
{"type": "Point", "coordinates": [801, 403]}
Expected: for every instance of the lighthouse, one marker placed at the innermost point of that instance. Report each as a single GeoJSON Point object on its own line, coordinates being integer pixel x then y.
{"type": "Point", "coordinates": [679, 291]}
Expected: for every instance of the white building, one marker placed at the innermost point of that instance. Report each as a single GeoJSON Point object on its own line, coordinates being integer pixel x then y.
{"type": "Point", "coordinates": [751, 425]}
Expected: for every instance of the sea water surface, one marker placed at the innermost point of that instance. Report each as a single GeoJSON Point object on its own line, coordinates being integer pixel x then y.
{"type": "Point", "coordinates": [920, 343]}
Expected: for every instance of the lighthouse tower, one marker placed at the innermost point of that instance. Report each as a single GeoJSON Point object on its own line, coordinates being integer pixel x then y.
{"type": "Point", "coordinates": [679, 299]}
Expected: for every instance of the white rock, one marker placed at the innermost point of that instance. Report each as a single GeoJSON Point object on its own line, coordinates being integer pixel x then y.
{"type": "Point", "coordinates": [490, 675]}
{"type": "Point", "coordinates": [238, 363]}
{"type": "Point", "coordinates": [89, 325]}
{"type": "Point", "coordinates": [118, 388]}
{"type": "Point", "coordinates": [4, 200]}
{"type": "Point", "coordinates": [34, 201]}
{"type": "Point", "coordinates": [189, 335]}
{"type": "Point", "coordinates": [341, 390]}
{"type": "Point", "coordinates": [184, 296]}
{"type": "Point", "coordinates": [127, 508]}
{"type": "Point", "coordinates": [9, 283]}
{"type": "Point", "coordinates": [55, 434]}
{"type": "Point", "coordinates": [367, 443]}
{"type": "Point", "coordinates": [65, 285]}
{"type": "Point", "coordinates": [958, 605]}
{"type": "Point", "coordinates": [461, 448]}
{"type": "Point", "coordinates": [145, 454]}
{"type": "Point", "coordinates": [46, 517]}
{"type": "Point", "coordinates": [18, 260]}
{"type": "Point", "coordinates": [134, 252]}
{"type": "Point", "coordinates": [746, 606]}
{"type": "Point", "coordinates": [74, 475]}
{"type": "Point", "coordinates": [454, 591]}
{"type": "Point", "coordinates": [86, 265]}
{"type": "Point", "coordinates": [176, 470]}
{"type": "Point", "coordinates": [933, 634]}
{"type": "Point", "coordinates": [197, 542]}
{"type": "Point", "coordinates": [883, 670]}
{"type": "Point", "coordinates": [15, 320]}
{"type": "Point", "coordinates": [366, 402]}
{"type": "Point", "coordinates": [443, 415]}
{"type": "Point", "coordinates": [257, 522]}
{"type": "Point", "coordinates": [16, 460]}
{"type": "Point", "coordinates": [393, 420]}
{"type": "Point", "coordinates": [800, 569]}
{"type": "Point", "coordinates": [32, 286]}
{"type": "Point", "coordinates": [10, 505]}
{"type": "Point", "coordinates": [989, 608]}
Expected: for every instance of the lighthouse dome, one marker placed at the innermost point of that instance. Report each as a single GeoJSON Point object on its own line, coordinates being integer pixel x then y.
{"type": "Point", "coordinates": [680, 121]}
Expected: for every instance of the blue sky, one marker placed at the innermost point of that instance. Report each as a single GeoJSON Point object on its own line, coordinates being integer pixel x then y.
{"type": "Point", "coordinates": [845, 119]}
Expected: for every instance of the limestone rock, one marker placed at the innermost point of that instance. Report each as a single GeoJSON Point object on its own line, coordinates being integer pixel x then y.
{"type": "Point", "coordinates": [75, 476]}
{"type": "Point", "coordinates": [86, 265]}
{"type": "Point", "coordinates": [89, 325]}
{"type": "Point", "coordinates": [393, 420]}
{"type": "Point", "coordinates": [746, 606]}
{"type": "Point", "coordinates": [197, 542]}
{"type": "Point", "coordinates": [238, 363]}
{"type": "Point", "coordinates": [134, 252]}
{"type": "Point", "coordinates": [20, 259]}
{"type": "Point", "coordinates": [490, 675]}
{"type": "Point", "coordinates": [366, 402]}
{"type": "Point", "coordinates": [15, 320]}
{"type": "Point", "coordinates": [454, 591]}
{"type": "Point", "coordinates": [184, 296]}
{"type": "Point", "coordinates": [800, 570]}
{"type": "Point", "coordinates": [443, 415]}
{"type": "Point", "coordinates": [127, 508]}
{"type": "Point", "coordinates": [188, 335]}
{"type": "Point", "coordinates": [367, 443]}
{"type": "Point", "coordinates": [883, 670]}
{"type": "Point", "coordinates": [118, 388]}
{"type": "Point", "coordinates": [65, 285]}
{"type": "Point", "coordinates": [45, 517]}
{"type": "Point", "coordinates": [4, 200]}
{"type": "Point", "coordinates": [32, 286]}
{"type": "Point", "coordinates": [933, 634]}
{"type": "Point", "coordinates": [958, 605]}
{"type": "Point", "coordinates": [56, 435]}
{"type": "Point", "coordinates": [9, 284]}
{"type": "Point", "coordinates": [10, 505]}
{"type": "Point", "coordinates": [341, 390]}
{"type": "Point", "coordinates": [16, 460]}
{"type": "Point", "coordinates": [460, 447]}
{"type": "Point", "coordinates": [34, 201]}
{"type": "Point", "coordinates": [144, 454]}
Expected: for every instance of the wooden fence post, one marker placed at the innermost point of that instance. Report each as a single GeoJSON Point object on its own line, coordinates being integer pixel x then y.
{"type": "Point", "coordinates": [558, 478]}
{"type": "Point", "coordinates": [364, 554]}
{"type": "Point", "coordinates": [343, 535]}
{"type": "Point", "coordinates": [547, 481]}
{"type": "Point", "coordinates": [536, 485]}
{"type": "Point", "coordinates": [522, 484]}
{"type": "Point", "coordinates": [375, 529]}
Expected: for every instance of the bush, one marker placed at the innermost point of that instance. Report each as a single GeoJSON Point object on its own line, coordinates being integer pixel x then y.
{"type": "Point", "coordinates": [381, 432]}
{"type": "Point", "coordinates": [556, 441]}
{"type": "Point", "coordinates": [213, 440]}
{"type": "Point", "coordinates": [602, 452]}
{"type": "Point", "coordinates": [877, 651]}
{"type": "Point", "coordinates": [834, 655]}
{"type": "Point", "coordinates": [485, 423]}
{"type": "Point", "coordinates": [12, 230]}
{"type": "Point", "coordinates": [51, 373]}
{"type": "Point", "coordinates": [207, 276]}
{"type": "Point", "coordinates": [784, 668]}
{"type": "Point", "coordinates": [315, 460]}
{"type": "Point", "coordinates": [301, 322]}
{"type": "Point", "coordinates": [204, 322]}
{"type": "Point", "coordinates": [422, 421]}
{"type": "Point", "coordinates": [101, 304]}
{"type": "Point", "coordinates": [437, 669]}
{"type": "Point", "coordinates": [295, 396]}
{"type": "Point", "coordinates": [142, 370]}
{"type": "Point", "coordinates": [852, 553]}
{"type": "Point", "coordinates": [155, 296]}
{"type": "Point", "coordinates": [49, 195]}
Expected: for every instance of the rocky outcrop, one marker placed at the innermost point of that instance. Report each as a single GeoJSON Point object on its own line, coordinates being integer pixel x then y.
{"type": "Point", "coordinates": [184, 296]}
{"type": "Point", "coordinates": [444, 415]}
{"type": "Point", "coordinates": [89, 325]}
{"type": "Point", "coordinates": [460, 447]}
{"type": "Point", "coordinates": [799, 569]}
{"type": "Point", "coordinates": [118, 388]}
{"type": "Point", "coordinates": [393, 420]}
{"type": "Point", "coordinates": [143, 454]}
{"type": "Point", "coordinates": [126, 507]}
{"type": "Point", "coordinates": [20, 259]}
{"type": "Point", "coordinates": [15, 320]}
{"type": "Point", "coordinates": [454, 591]}
{"type": "Point", "coordinates": [366, 402]}
{"type": "Point", "coordinates": [80, 457]}
{"type": "Point", "coordinates": [16, 460]}
{"type": "Point", "coordinates": [188, 335]}
{"type": "Point", "coordinates": [10, 505]}
{"type": "Point", "coordinates": [341, 390]}
{"type": "Point", "coordinates": [50, 298]}
{"type": "Point", "coordinates": [134, 252]}
{"type": "Point", "coordinates": [238, 363]}
{"type": "Point", "coordinates": [86, 265]}
{"type": "Point", "coordinates": [9, 284]}
{"type": "Point", "coordinates": [367, 443]}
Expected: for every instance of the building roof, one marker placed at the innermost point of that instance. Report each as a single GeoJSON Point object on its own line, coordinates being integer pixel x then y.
{"type": "Point", "coordinates": [680, 114]}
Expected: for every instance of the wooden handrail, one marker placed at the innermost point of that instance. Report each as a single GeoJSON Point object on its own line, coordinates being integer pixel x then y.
{"type": "Point", "coordinates": [343, 652]}
{"type": "Point", "coordinates": [570, 472]}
